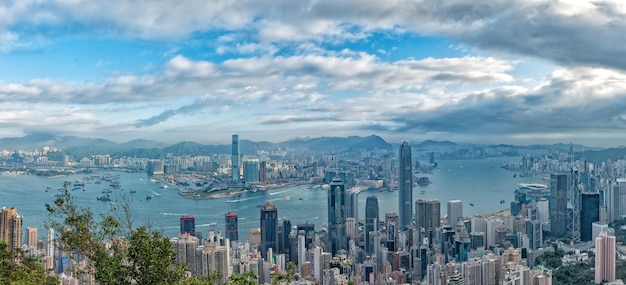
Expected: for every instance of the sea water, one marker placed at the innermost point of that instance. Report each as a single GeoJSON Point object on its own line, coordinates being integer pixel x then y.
{"type": "Point", "coordinates": [482, 183]}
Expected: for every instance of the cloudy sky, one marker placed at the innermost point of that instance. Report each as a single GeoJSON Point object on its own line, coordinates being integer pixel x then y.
{"type": "Point", "coordinates": [503, 71]}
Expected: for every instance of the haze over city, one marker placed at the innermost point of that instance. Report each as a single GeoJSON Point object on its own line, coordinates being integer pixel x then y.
{"type": "Point", "coordinates": [516, 72]}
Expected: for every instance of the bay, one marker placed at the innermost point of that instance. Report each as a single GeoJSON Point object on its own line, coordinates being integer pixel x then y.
{"type": "Point", "coordinates": [480, 182]}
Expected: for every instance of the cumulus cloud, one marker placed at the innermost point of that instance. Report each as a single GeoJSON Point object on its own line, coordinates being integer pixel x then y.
{"type": "Point", "coordinates": [566, 32]}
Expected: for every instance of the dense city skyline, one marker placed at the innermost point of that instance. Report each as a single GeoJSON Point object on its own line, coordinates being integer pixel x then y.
{"type": "Point", "coordinates": [516, 72]}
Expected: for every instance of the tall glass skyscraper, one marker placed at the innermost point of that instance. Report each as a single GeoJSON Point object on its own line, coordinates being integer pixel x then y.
{"type": "Point", "coordinates": [590, 214]}
{"type": "Point", "coordinates": [232, 229]}
{"type": "Point", "coordinates": [455, 211]}
{"type": "Point", "coordinates": [337, 216]}
{"type": "Point", "coordinates": [269, 228]}
{"type": "Point", "coordinates": [235, 160]}
{"type": "Point", "coordinates": [405, 185]}
{"type": "Point", "coordinates": [371, 221]}
{"type": "Point", "coordinates": [558, 205]}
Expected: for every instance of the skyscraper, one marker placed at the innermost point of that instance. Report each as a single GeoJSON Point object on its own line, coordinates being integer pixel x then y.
{"type": "Point", "coordinates": [391, 226]}
{"type": "Point", "coordinates": [455, 211]}
{"type": "Point", "coordinates": [251, 171]}
{"type": "Point", "coordinates": [558, 205]}
{"type": "Point", "coordinates": [33, 238]}
{"type": "Point", "coordinates": [428, 214]}
{"type": "Point", "coordinates": [371, 221]}
{"type": "Point", "coordinates": [337, 216]}
{"type": "Point", "coordinates": [605, 258]}
{"type": "Point", "coordinates": [11, 227]}
{"type": "Point", "coordinates": [188, 225]}
{"type": "Point", "coordinates": [590, 214]}
{"type": "Point", "coordinates": [235, 160]}
{"type": "Point", "coordinates": [405, 185]}
{"type": "Point", "coordinates": [232, 229]}
{"type": "Point", "coordinates": [269, 228]}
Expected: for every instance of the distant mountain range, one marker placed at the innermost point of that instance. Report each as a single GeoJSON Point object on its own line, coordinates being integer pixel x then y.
{"type": "Point", "coordinates": [79, 147]}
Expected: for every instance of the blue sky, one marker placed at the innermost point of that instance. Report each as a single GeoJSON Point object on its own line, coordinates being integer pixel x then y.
{"type": "Point", "coordinates": [505, 71]}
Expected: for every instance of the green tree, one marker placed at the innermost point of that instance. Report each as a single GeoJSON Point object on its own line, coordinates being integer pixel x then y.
{"type": "Point", "coordinates": [116, 253]}
{"type": "Point", "coordinates": [18, 268]}
{"type": "Point", "coordinates": [248, 278]}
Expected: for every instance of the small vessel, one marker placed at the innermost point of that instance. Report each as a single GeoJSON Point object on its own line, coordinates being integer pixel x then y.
{"type": "Point", "coordinates": [163, 186]}
{"type": "Point", "coordinates": [59, 195]}
{"type": "Point", "coordinates": [196, 195]}
{"type": "Point", "coordinates": [472, 204]}
{"type": "Point", "coordinates": [287, 197]}
{"type": "Point", "coordinates": [104, 198]}
{"type": "Point", "coordinates": [106, 191]}
{"type": "Point", "coordinates": [300, 199]}
{"type": "Point", "coordinates": [213, 224]}
{"type": "Point", "coordinates": [133, 191]}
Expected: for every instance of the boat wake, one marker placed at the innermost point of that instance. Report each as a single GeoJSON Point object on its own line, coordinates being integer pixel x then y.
{"type": "Point", "coordinates": [278, 192]}
{"type": "Point", "coordinates": [171, 214]}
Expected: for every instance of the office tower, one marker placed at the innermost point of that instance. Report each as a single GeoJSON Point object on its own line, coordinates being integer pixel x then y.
{"type": "Point", "coordinates": [573, 205]}
{"type": "Point", "coordinates": [558, 205]}
{"type": "Point", "coordinates": [455, 211]}
{"type": "Point", "coordinates": [352, 205]}
{"type": "Point", "coordinates": [405, 185]}
{"type": "Point", "coordinates": [590, 214]}
{"type": "Point", "coordinates": [269, 228]}
{"type": "Point", "coordinates": [543, 210]}
{"type": "Point", "coordinates": [534, 231]}
{"type": "Point", "coordinates": [351, 228]}
{"type": "Point", "coordinates": [391, 226]}
{"type": "Point", "coordinates": [621, 183]}
{"type": "Point", "coordinates": [235, 160]}
{"type": "Point", "coordinates": [11, 228]}
{"type": "Point", "coordinates": [371, 221]}
{"type": "Point", "coordinates": [232, 228]}
{"type": "Point", "coordinates": [428, 214]}
{"type": "Point", "coordinates": [605, 258]}
{"type": "Point", "coordinates": [263, 171]}
{"type": "Point", "coordinates": [599, 227]}
{"type": "Point", "coordinates": [493, 224]}
{"type": "Point", "coordinates": [477, 239]}
{"type": "Point", "coordinates": [612, 202]}
{"type": "Point", "coordinates": [309, 233]}
{"type": "Point", "coordinates": [301, 250]}
{"type": "Point", "coordinates": [285, 247]}
{"type": "Point", "coordinates": [33, 239]}
{"type": "Point", "coordinates": [188, 225]}
{"type": "Point", "coordinates": [251, 171]}
{"type": "Point", "coordinates": [337, 216]}
{"type": "Point", "coordinates": [386, 165]}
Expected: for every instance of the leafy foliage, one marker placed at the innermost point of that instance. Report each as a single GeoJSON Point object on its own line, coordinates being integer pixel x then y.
{"type": "Point", "coordinates": [576, 274]}
{"type": "Point", "coordinates": [116, 253]}
{"type": "Point", "coordinates": [17, 268]}
{"type": "Point", "coordinates": [248, 278]}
